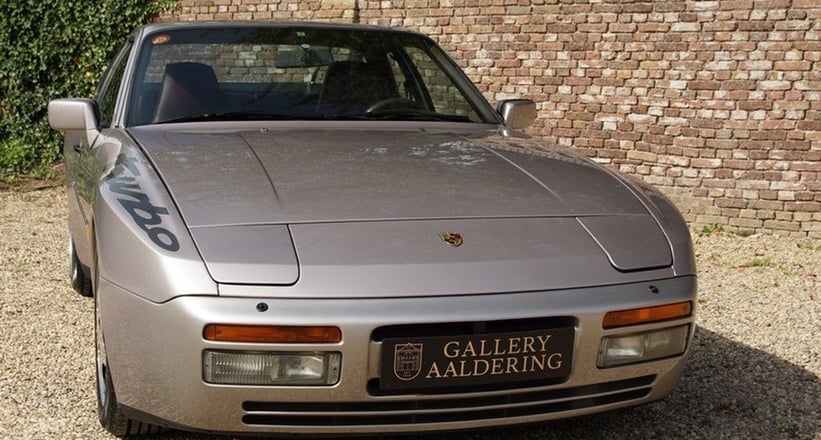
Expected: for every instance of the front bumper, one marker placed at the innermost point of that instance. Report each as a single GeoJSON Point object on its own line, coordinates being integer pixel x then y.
{"type": "Point", "coordinates": [155, 355]}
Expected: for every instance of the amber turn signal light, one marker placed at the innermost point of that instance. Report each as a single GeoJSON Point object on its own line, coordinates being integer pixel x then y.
{"type": "Point", "coordinates": [646, 315]}
{"type": "Point", "coordinates": [273, 334]}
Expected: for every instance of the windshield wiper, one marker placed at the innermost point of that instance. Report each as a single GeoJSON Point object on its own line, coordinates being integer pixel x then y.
{"type": "Point", "coordinates": [408, 114]}
{"type": "Point", "coordinates": [396, 115]}
{"type": "Point", "coordinates": [231, 116]}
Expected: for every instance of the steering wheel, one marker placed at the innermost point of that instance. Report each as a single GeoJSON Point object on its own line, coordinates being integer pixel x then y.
{"type": "Point", "coordinates": [394, 104]}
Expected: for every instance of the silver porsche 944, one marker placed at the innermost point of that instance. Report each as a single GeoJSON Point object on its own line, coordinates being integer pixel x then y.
{"type": "Point", "coordinates": [326, 229]}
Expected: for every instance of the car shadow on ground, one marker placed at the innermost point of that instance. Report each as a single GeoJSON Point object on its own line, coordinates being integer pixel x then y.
{"type": "Point", "coordinates": [729, 390]}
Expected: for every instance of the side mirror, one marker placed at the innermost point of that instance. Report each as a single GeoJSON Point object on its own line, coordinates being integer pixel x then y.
{"type": "Point", "coordinates": [517, 113]}
{"type": "Point", "coordinates": [72, 114]}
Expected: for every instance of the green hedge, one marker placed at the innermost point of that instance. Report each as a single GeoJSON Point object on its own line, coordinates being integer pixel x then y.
{"type": "Point", "coordinates": [52, 49]}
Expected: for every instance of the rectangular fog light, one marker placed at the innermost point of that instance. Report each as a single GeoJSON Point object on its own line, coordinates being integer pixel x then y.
{"type": "Point", "coordinates": [271, 368]}
{"type": "Point", "coordinates": [642, 347]}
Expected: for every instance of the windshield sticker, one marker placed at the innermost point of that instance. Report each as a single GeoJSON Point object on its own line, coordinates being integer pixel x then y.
{"type": "Point", "coordinates": [160, 39]}
{"type": "Point", "coordinates": [138, 205]}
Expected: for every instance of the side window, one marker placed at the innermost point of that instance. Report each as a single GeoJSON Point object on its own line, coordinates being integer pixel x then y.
{"type": "Point", "coordinates": [107, 95]}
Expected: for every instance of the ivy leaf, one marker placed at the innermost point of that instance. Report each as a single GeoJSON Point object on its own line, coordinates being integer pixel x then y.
{"type": "Point", "coordinates": [54, 50]}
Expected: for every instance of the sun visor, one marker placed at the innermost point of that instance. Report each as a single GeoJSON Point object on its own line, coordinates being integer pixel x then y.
{"type": "Point", "coordinates": [248, 254]}
{"type": "Point", "coordinates": [631, 242]}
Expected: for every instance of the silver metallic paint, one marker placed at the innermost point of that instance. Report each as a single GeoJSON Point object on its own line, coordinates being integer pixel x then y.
{"type": "Point", "coordinates": [407, 258]}
{"type": "Point", "coordinates": [631, 242]}
{"type": "Point", "coordinates": [73, 115]}
{"type": "Point", "coordinates": [261, 254]}
{"type": "Point", "coordinates": [364, 205]}
{"type": "Point", "coordinates": [275, 173]}
{"type": "Point", "coordinates": [672, 225]}
{"type": "Point", "coordinates": [126, 253]}
{"type": "Point", "coordinates": [517, 113]}
{"type": "Point", "coordinates": [164, 372]}
{"type": "Point", "coordinates": [286, 173]}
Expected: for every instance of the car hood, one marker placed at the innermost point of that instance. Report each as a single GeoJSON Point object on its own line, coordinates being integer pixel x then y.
{"type": "Point", "coordinates": [269, 205]}
{"type": "Point", "coordinates": [287, 176]}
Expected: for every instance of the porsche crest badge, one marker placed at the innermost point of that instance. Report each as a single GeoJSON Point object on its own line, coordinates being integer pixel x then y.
{"type": "Point", "coordinates": [452, 238]}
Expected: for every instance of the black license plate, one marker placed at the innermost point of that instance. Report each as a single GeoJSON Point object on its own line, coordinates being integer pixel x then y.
{"type": "Point", "coordinates": [448, 361]}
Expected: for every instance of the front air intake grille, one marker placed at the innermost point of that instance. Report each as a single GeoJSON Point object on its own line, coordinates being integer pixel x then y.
{"type": "Point", "coordinates": [471, 328]}
{"type": "Point", "coordinates": [455, 409]}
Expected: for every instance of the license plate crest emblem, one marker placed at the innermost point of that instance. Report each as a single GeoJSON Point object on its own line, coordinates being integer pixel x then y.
{"type": "Point", "coordinates": [407, 361]}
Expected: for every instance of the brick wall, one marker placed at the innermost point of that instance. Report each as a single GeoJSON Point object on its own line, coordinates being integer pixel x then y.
{"type": "Point", "coordinates": [718, 103]}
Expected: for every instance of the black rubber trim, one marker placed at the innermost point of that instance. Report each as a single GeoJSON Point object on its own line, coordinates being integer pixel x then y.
{"type": "Point", "coordinates": [370, 419]}
{"type": "Point", "coordinates": [425, 411]}
{"type": "Point", "coordinates": [471, 328]}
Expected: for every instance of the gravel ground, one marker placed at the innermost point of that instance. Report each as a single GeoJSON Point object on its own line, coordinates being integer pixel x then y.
{"type": "Point", "coordinates": [754, 373]}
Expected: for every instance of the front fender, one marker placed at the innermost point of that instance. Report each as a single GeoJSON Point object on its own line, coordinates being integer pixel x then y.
{"type": "Point", "coordinates": [143, 245]}
{"type": "Point", "coordinates": [671, 222]}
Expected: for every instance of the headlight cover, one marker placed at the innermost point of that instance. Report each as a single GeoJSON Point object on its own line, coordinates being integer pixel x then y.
{"type": "Point", "coordinates": [644, 346]}
{"type": "Point", "coordinates": [271, 368]}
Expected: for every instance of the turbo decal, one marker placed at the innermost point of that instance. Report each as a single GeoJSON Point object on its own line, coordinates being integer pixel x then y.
{"type": "Point", "coordinates": [145, 214]}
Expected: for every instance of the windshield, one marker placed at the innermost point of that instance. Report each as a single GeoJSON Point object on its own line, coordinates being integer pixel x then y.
{"type": "Point", "coordinates": [293, 73]}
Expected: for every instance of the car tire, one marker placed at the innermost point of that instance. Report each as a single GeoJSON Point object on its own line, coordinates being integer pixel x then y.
{"type": "Point", "coordinates": [109, 411]}
{"type": "Point", "coordinates": [80, 281]}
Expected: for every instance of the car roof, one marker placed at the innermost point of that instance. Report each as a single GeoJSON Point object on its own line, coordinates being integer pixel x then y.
{"type": "Point", "coordinates": [169, 26]}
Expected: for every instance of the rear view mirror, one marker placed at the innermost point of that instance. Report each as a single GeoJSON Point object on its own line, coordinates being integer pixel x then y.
{"type": "Point", "coordinates": [517, 113]}
{"type": "Point", "coordinates": [305, 56]}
